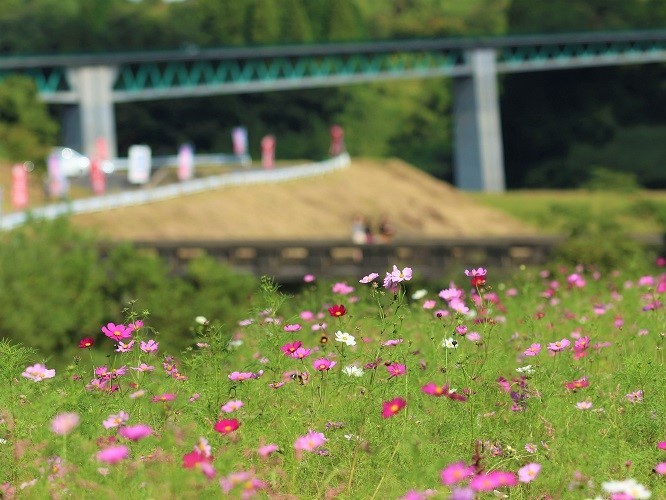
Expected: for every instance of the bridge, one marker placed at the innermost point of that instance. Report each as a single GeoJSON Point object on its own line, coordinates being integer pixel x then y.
{"type": "Point", "coordinates": [90, 84]}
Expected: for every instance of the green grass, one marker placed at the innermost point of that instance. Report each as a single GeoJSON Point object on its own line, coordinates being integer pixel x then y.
{"type": "Point", "coordinates": [634, 212]}
{"type": "Point", "coordinates": [365, 455]}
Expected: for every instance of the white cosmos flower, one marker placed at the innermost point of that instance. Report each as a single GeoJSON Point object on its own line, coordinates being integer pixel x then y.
{"type": "Point", "coordinates": [450, 343]}
{"type": "Point", "coordinates": [419, 294]}
{"type": "Point", "coordinates": [527, 369]}
{"type": "Point", "coordinates": [345, 338]}
{"type": "Point", "coordinates": [201, 320]}
{"type": "Point", "coordinates": [353, 371]}
{"type": "Point", "coordinates": [628, 486]}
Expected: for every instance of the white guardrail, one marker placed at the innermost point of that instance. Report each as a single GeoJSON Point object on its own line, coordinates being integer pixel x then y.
{"type": "Point", "coordinates": [148, 195]}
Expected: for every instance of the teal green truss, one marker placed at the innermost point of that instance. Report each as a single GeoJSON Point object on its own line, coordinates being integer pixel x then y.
{"type": "Point", "coordinates": [150, 75]}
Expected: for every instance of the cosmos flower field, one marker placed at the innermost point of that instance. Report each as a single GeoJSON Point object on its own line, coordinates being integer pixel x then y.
{"type": "Point", "coordinates": [544, 386]}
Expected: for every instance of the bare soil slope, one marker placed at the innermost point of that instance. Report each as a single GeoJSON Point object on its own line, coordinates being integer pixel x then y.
{"type": "Point", "coordinates": [418, 205]}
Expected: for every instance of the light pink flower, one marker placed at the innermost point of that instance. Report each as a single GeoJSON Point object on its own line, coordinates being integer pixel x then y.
{"type": "Point", "coordinates": [124, 346]}
{"type": "Point", "coordinates": [232, 406]}
{"type": "Point", "coordinates": [559, 345]}
{"type": "Point", "coordinates": [240, 376]}
{"type": "Point", "coordinates": [64, 423]}
{"type": "Point", "coordinates": [38, 372]}
{"type": "Point", "coordinates": [292, 328]}
{"type": "Point", "coordinates": [529, 472]}
{"type": "Point", "coordinates": [532, 350]}
{"type": "Point", "coordinates": [150, 346]}
{"type": "Point", "coordinates": [115, 420]}
{"type": "Point", "coordinates": [266, 450]}
{"type": "Point", "coordinates": [143, 367]}
{"type": "Point", "coordinates": [660, 468]}
{"type": "Point", "coordinates": [584, 405]}
{"type": "Point", "coordinates": [369, 278]}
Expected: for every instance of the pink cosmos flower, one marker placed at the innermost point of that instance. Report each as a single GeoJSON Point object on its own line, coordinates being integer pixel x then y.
{"type": "Point", "coordinates": [307, 315]}
{"type": "Point", "coordinates": [301, 353]}
{"type": "Point", "coordinates": [342, 288]}
{"type": "Point", "coordinates": [267, 450]}
{"type": "Point", "coordinates": [310, 442]}
{"type": "Point", "coordinates": [143, 367]}
{"type": "Point", "coordinates": [241, 376]}
{"type": "Point", "coordinates": [574, 385]}
{"type": "Point", "coordinates": [458, 306]}
{"type": "Point", "coordinates": [433, 389]}
{"type": "Point", "coordinates": [231, 406]}
{"type": "Point", "coordinates": [635, 397]}
{"type": "Point", "coordinates": [392, 342]}
{"type": "Point", "coordinates": [113, 454]}
{"type": "Point", "coordinates": [290, 348]}
{"type": "Point", "coordinates": [117, 332]}
{"type": "Point", "coordinates": [461, 329]}
{"type": "Point", "coordinates": [38, 372]}
{"type": "Point", "coordinates": [163, 398]}
{"type": "Point", "coordinates": [396, 369]}
{"type": "Point", "coordinates": [455, 473]}
{"type": "Point", "coordinates": [477, 276]}
{"type": "Point", "coordinates": [661, 445]}
{"type": "Point", "coordinates": [150, 346]}
{"type": "Point", "coordinates": [584, 405]}
{"type": "Point", "coordinates": [491, 480]}
{"type": "Point", "coordinates": [115, 420]}
{"type": "Point", "coordinates": [323, 364]}
{"type": "Point", "coordinates": [250, 483]}
{"type": "Point", "coordinates": [136, 325]}
{"type": "Point", "coordinates": [559, 345]}
{"type": "Point", "coordinates": [64, 423]}
{"type": "Point", "coordinates": [397, 275]}
{"type": "Point", "coordinates": [390, 408]}
{"type": "Point", "coordinates": [309, 278]}
{"type": "Point", "coordinates": [292, 328]}
{"type": "Point", "coordinates": [429, 304]}
{"type": "Point", "coordinates": [135, 432]}
{"type": "Point", "coordinates": [473, 336]}
{"type": "Point", "coordinates": [660, 468]}
{"type": "Point", "coordinates": [369, 278]}
{"type": "Point", "coordinates": [529, 472]}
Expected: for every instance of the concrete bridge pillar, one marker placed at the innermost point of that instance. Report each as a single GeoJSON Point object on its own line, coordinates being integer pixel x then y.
{"type": "Point", "coordinates": [96, 118]}
{"type": "Point", "coordinates": [477, 150]}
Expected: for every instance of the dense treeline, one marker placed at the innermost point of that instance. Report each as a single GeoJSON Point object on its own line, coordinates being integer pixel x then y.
{"type": "Point", "coordinates": [556, 124]}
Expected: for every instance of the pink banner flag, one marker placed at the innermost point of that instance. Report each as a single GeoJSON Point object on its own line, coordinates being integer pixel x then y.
{"type": "Point", "coordinates": [19, 187]}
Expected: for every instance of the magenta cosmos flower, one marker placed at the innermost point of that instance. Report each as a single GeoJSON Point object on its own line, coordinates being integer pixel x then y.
{"type": "Point", "coordinates": [310, 442]}
{"type": "Point", "coordinates": [396, 369]}
{"type": "Point", "coordinates": [435, 390]}
{"type": "Point", "coordinates": [117, 332]}
{"type": "Point", "coordinates": [266, 450]}
{"type": "Point", "coordinates": [390, 408]}
{"type": "Point", "coordinates": [163, 398]}
{"type": "Point", "coordinates": [113, 454]}
{"type": "Point", "coordinates": [226, 426]}
{"type": "Point", "coordinates": [455, 473]}
{"type": "Point", "coordinates": [337, 310]}
{"type": "Point", "coordinates": [135, 432]}
{"type": "Point", "coordinates": [290, 348]}
{"type": "Point", "coordinates": [38, 372]}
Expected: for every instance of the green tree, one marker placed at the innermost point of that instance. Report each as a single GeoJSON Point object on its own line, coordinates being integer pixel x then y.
{"type": "Point", "coordinates": [263, 22]}
{"type": "Point", "coordinates": [26, 129]}
{"type": "Point", "coordinates": [344, 22]}
{"type": "Point", "coordinates": [295, 25]}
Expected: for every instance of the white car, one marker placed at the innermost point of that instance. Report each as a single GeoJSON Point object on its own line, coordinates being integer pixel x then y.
{"type": "Point", "coordinates": [74, 164]}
